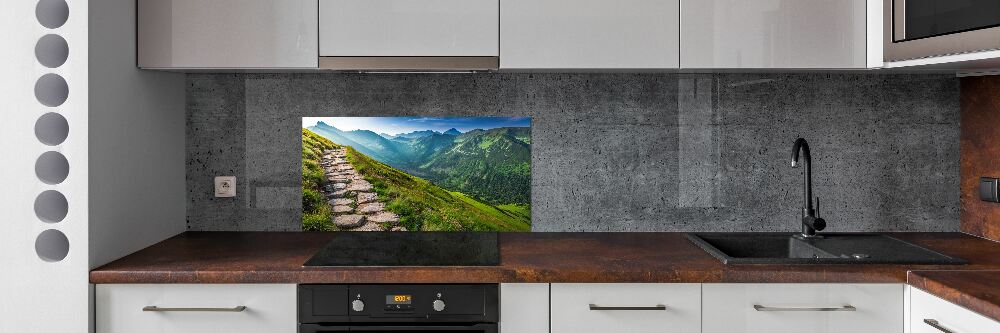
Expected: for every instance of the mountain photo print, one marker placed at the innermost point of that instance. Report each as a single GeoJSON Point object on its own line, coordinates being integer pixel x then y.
{"type": "Point", "coordinates": [416, 174]}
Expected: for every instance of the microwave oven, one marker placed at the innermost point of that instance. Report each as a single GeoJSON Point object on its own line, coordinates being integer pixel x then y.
{"type": "Point", "coordinates": [915, 29]}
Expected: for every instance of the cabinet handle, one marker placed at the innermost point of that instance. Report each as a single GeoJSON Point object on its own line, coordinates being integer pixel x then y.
{"type": "Point", "coordinates": [935, 324]}
{"type": "Point", "coordinates": [154, 308]}
{"type": "Point", "coordinates": [759, 307]}
{"type": "Point", "coordinates": [595, 307]}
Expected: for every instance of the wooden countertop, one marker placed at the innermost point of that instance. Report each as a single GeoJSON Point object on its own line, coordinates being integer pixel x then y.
{"type": "Point", "coordinates": [978, 291]}
{"type": "Point", "coordinates": [277, 257]}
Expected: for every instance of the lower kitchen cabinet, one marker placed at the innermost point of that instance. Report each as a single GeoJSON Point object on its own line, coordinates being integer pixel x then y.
{"type": "Point", "coordinates": [803, 308]}
{"type": "Point", "coordinates": [524, 308]}
{"type": "Point", "coordinates": [196, 308]}
{"type": "Point", "coordinates": [569, 308]}
{"type": "Point", "coordinates": [930, 314]}
{"type": "Point", "coordinates": [625, 307]}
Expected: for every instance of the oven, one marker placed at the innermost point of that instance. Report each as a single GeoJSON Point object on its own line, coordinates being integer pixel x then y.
{"type": "Point", "coordinates": [916, 29]}
{"type": "Point", "coordinates": [385, 308]}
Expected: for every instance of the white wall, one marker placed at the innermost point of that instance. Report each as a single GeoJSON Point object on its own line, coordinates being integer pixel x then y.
{"type": "Point", "coordinates": [126, 139]}
{"type": "Point", "coordinates": [137, 188]}
{"type": "Point", "coordinates": [38, 295]}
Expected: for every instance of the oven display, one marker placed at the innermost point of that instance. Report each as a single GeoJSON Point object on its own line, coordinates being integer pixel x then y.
{"type": "Point", "coordinates": [398, 299]}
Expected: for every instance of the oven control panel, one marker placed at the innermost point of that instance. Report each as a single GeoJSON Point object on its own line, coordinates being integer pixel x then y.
{"type": "Point", "coordinates": [399, 303]}
{"type": "Point", "coordinates": [421, 300]}
{"type": "Point", "coordinates": [391, 303]}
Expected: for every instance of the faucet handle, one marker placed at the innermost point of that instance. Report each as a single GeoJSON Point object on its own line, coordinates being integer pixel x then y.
{"type": "Point", "coordinates": [819, 223]}
{"type": "Point", "coordinates": [817, 206]}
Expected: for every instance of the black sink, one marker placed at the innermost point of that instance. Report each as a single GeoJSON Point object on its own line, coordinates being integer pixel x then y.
{"type": "Point", "coordinates": [837, 248]}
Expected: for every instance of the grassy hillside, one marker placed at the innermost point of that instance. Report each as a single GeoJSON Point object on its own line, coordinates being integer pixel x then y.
{"type": "Point", "coordinates": [520, 210]}
{"type": "Point", "coordinates": [424, 206]}
{"type": "Point", "coordinates": [368, 142]}
{"type": "Point", "coordinates": [315, 211]}
{"type": "Point", "coordinates": [490, 165]}
{"type": "Point", "coordinates": [493, 165]}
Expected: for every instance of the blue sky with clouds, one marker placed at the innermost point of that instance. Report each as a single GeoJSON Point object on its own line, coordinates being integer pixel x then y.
{"type": "Point", "coordinates": [397, 125]}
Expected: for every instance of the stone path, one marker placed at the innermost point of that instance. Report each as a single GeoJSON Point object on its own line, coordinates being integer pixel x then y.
{"type": "Point", "coordinates": [355, 207]}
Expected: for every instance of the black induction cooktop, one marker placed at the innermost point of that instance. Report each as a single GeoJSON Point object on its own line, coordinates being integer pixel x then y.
{"type": "Point", "coordinates": [361, 248]}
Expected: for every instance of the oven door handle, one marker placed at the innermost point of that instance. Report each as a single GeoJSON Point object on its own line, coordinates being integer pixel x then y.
{"type": "Point", "coordinates": [485, 328]}
{"type": "Point", "coordinates": [314, 328]}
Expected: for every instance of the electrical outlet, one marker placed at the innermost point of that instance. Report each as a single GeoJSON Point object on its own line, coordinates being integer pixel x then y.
{"type": "Point", "coordinates": [225, 187]}
{"type": "Point", "coordinates": [988, 189]}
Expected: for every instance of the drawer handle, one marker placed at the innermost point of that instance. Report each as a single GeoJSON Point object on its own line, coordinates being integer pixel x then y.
{"type": "Point", "coordinates": [935, 324]}
{"type": "Point", "coordinates": [154, 308]}
{"type": "Point", "coordinates": [759, 307]}
{"type": "Point", "coordinates": [595, 307]}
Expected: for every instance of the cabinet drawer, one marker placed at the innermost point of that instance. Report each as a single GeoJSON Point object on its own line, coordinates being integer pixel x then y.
{"type": "Point", "coordinates": [635, 308]}
{"type": "Point", "coordinates": [270, 308]}
{"type": "Point", "coordinates": [524, 308]}
{"type": "Point", "coordinates": [734, 308]}
{"type": "Point", "coordinates": [946, 315]}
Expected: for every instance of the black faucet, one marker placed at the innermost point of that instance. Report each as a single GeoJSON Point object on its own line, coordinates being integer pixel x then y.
{"type": "Point", "coordinates": [810, 221]}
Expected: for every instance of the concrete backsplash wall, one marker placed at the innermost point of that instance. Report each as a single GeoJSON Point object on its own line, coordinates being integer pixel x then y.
{"type": "Point", "coordinates": [616, 152]}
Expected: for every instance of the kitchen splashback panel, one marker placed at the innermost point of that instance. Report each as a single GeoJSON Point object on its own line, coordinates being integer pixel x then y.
{"type": "Point", "coordinates": [416, 174]}
{"type": "Point", "coordinates": [614, 152]}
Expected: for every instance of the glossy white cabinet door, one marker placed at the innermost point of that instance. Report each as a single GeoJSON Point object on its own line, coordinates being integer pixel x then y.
{"type": "Point", "coordinates": [428, 28]}
{"type": "Point", "coordinates": [524, 308]}
{"type": "Point", "coordinates": [227, 33]}
{"type": "Point", "coordinates": [270, 308]}
{"type": "Point", "coordinates": [594, 34]}
{"type": "Point", "coordinates": [572, 313]}
{"type": "Point", "coordinates": [924, 306]}
{"type": "Point", "coordinates": [773, 34]}
{"type": "Point", "coordinates": [729, 308]}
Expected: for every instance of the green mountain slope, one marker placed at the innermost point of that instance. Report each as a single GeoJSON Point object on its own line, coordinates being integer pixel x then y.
{"type": "Point", "coordinates": [491, 165]}
{"type": "Point", "coordinates": [367, 142]}
{"type": "Point", "coordinates": [416, 134]}
{"type": "Point", "coordinates": [421, 205]}
{"type": "Point", "coordinates": [315, 211]}
{"type": "Point", "coordinates": [380, 144]}
{"type": "Point", "coordinates": [494, 165]}
{"type": "Point", "coordinates": [427, 147]}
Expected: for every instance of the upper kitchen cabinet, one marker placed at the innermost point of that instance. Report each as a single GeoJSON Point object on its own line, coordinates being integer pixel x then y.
{"type": "Point", "coordinates": [781, 34]}
{"type": "Point", "coordinates": [406, 34]}
{"type": "Point", "coordinates": [589, 34]}
{"type": "Point", "coordinates": [221, 34]}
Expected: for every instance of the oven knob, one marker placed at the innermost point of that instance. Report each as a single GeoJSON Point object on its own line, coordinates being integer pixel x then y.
{"type": "Point", "coordinates": [358, 305]}
{"type": "Point", "coordinates": [438, 305]}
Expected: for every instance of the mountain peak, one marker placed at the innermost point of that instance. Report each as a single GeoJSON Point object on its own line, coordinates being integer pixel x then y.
{"type": "Point", "coordinates": [416, 134]}
{"type": "Point", "coordinates": [453, 131]}
{"type": "Point", "coordinates": [321, 124]}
